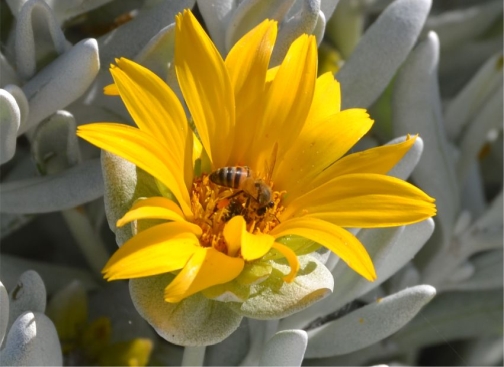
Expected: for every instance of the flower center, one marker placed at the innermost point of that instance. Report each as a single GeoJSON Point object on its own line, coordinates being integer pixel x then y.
{"type": "Point", "coordinates": [214, 205]}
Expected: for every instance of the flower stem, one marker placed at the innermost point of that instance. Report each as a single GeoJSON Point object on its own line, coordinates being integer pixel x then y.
{"type": "Point", "coordinates": [87, 238]}
{"type": "Point", "coordinates": [193, 356]}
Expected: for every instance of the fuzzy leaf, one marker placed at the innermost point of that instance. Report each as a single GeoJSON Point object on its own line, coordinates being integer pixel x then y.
{"type": "Point", "coordinates": [28, 295]}
{"type": "Point", "coordinates": [32, 341]}
{"type": "Point", "coordinates": [61, 82]}
{"type": "Point", "coordinates": [124, 184]}
{"type": "Point", "coordinates": [286, 348]}
{"type": "Point", "coordinates": [195, 321]}
{"type": "Point", "coordinates": [4, 312]}
{"type": "Point", "coordinates": [454, 316]}
{"type": "Point", "coordinates": [64, 190]}
{"type": "Point", "coordinates": [10, 119]}
{"type": "Point", "coordinates": [368, 324]}
{"type": "Point", "coordinates": [418, 110]}
{"type": "Point", "coordinates": [390, 249]}
{"type": "Point", "coordinates": [381, 51]}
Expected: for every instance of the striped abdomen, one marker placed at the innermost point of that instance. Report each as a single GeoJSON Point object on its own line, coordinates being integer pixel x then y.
{"type": "Point", "coordinates": [232, 177]}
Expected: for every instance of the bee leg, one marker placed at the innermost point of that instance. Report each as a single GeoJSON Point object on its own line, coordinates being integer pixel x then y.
{"type": "Point", "coordinates": [239, 192]}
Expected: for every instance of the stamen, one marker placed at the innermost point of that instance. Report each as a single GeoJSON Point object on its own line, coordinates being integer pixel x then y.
{"type": "Point", "coordinates": [213, 206]}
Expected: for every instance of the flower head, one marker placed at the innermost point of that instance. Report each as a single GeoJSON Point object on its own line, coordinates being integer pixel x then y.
{"type": "Point", "coordinates": [266, 163]}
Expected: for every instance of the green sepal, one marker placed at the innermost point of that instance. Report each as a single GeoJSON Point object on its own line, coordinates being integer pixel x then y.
{"type": "Point", "coordinates": [274, 298]}
{"type": "Point", "coordinates": [228, 292]}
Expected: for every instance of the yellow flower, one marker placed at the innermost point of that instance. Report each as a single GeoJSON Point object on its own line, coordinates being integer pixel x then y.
{"type": "Point", "coordinates": [282, 136]}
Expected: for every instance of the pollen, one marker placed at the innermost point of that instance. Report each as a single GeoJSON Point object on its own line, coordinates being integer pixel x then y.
{"type": "Point", "coordinates": [213, 206]}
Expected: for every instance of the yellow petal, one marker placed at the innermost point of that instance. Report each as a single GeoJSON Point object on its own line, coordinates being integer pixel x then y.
{"type": "Point", "coordinates": [206, 87]}
{"type": "Point", "coordinates": [253, 246]}
{"type": "Point", "coordinates": [333, 237]}
{"type": "Point", "coordinates": [159, 249]}
{"type": "Point", "coordinates": [142, 150]}
{"type": "Point", "coordinates": [317, 147]}
{"type": "Point", "coordinates": [288, 100]}
{"type": "Point", "coordinates": [375, 160]}
{"type": "Point", "coordinates": [156, 110]}
{"type": "Point", "coordinates": [206, 268]}
{"type": "Point", "coordinates": [365, 201]}
{"type": "Point", "coordinates": [157, 208]}
{"type": "Point", "coordinates": [326, 99]}
{"type": "Point", "coordinates": [247, 63]}
{"type": "Point", "coordinates": [111, 90]}
{"type": "Point", "coordinates": [291, 258]}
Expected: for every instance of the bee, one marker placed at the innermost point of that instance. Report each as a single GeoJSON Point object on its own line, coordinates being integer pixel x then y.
{"type": "Point", "coordinates": [245, 180]}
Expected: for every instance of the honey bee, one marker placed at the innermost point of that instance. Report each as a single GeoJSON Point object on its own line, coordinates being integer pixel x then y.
{"type": "Point", "coordinates": [245, 180]}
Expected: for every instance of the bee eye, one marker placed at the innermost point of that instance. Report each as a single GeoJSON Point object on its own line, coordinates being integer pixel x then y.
{"type": "Point", "coordinates": [257, 185]}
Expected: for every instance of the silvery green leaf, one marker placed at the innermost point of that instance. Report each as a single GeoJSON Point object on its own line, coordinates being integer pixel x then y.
{"type": "Point", "coordinates": [303, 21]}
{"type": "Point", "coordinates": [319, 29]}
{"type": "Point", "coordinates": [327, 7]}
{"type": "Point", "coordinates": [10, 223]}
{"type": "Point", "coordinates": [193, 356]}
{"type": "Point", "coordinates": [65, 10]}
{"type": "Point", "coordinates": [390, 249]}
{"type": "Point", "coordinates": [487, 273]}
{"type": "Point", "coordinates": [231, 350]}
{"type": "Point", "coordinates": [416, 108]}
{"type": "Point", "coordinates": [454, 316]}
{"type": "Point", "coordinates": [250, 13]}
{"type": "Point", "coordinates": [466, 104]}
{"type": "Point", "coordinates": [55, 276]}
{"type": "Point", "coordinates": [4, 312]}
{"type": "Point", "coordinates": [158, 56]}
{"type": "Point", "coordinates": [286, 348]}
{"type": "Point", "coordinates": [464, 271]}
{"type": "Point", "coordinates": [34, 22]}
{"type": "Point", "coordinates": [475, 135]}
{"type": "Point", "coordinates": [28, 295]}
{"type": "Point", "coordinates": [61, 82]}
{"type": "Point", "coordinates": [54, 144]}
{"type": "Point", "coordinates": [486, 232]}
{"type": "Point", "coordinates": [21, 101]}
{"type": "Point", "coordinates": [362, 357]}
{"type": "Point", "coordinates": [268, 301]}
{"type": "Point", "coordinates": [455, 27]}
{"type": "Point", "coordinates": [64, 190]}
{"type": "Point", "coordinates": [10, 118]}
{"type": "Point", "coordinates": [124, 183]}
{"type": "Point", "coordinates": [407, 164]}
{"type": "Point", "coordinates": [216, 14]}
{"type": "Point", "coordinates": [7, 73]}
{"type": "Point", "coordinates": [194, 321]}
{"type": "Point", "coordinates": [483, 352]}
{"type": "Point", "coordinates": [130, 38]}
{"type": "Point", "coordinates": [368, 324]}
{"type": "Point", "coordinates": [409, 276]}
{"type": "Point", "coordinates": [260, 332]}
{"type": "Point", "coordinates": [345, 28]}
{"type": "Point", "coordinates": [381, 51]}
{"type": "Point", "coordinates": [32, 341]}
{"type": "Point", "coordinates": [457, 66]}
{"type": "Point", "coordinates": [473, 192]}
